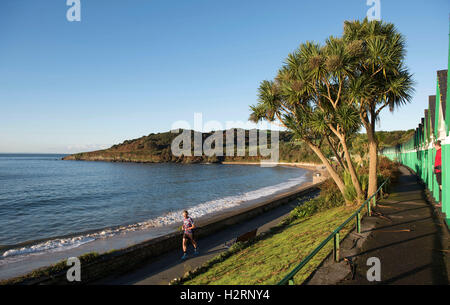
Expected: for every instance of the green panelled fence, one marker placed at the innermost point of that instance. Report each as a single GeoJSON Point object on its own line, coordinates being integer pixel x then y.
{"type": "Point", "coordinates": [419, 153]}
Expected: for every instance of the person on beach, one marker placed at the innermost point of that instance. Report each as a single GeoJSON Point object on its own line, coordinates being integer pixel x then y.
{"type": "Point", "coordinates": [438, 168]}
{"type": "Point", "coordinates": [188, 227]}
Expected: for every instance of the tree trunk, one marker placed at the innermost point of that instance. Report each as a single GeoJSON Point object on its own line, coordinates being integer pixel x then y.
{"type": "Point", "coordinates": [334, 175]}
{"type": "Point", "coordinates": [351, 168]}
{"type": "Point", "coordinates": [373, 153]}
{"type": "Point", "coordinates": [336, 153]}
{"type": "Point", "coordinates": [352, 171]}
{"type": "Point", "coordinates": [373, 163]}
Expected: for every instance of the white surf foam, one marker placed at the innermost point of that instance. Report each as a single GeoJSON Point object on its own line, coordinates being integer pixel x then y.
{"type": "Point", "coordinates": [210, 207]}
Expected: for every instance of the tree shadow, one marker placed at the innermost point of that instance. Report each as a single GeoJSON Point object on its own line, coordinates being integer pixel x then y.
{"type": "Point", "coordinates": [396, 224]}
{"type": "Point", "coordinates": [392, 244]}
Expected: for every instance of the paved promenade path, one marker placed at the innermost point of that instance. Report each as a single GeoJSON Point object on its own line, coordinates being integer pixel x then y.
{"type": "Point", "coordinates": [169, 266]}
{"type": "Point", "coordinates": [408, 237]}
{"type": "Point", "coordinates": [405, 233]}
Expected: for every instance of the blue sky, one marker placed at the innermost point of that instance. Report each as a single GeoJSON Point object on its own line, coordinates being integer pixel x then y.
{"type": "Point", "coordinates": [129, 68]}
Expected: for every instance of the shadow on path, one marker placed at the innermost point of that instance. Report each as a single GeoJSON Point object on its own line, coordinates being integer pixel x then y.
{"type": "Point", "coordinates": [164, 269]}
{"type": "Point", "coordinates": [409, 240]}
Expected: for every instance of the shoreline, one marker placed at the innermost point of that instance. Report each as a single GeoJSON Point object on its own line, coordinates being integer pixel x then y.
{"type": "Point", "coordinates": [304, 165]}
{"type": "Point", "coordinates": [312, 170]}
{"type": "Point", "coordinates": [309, 175]}
{"type": "Point", "coordinates": [207, 221]}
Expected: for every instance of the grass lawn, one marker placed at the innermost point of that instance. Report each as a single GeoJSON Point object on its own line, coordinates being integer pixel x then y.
{"type": "Point", "coordinates": [270, 259]}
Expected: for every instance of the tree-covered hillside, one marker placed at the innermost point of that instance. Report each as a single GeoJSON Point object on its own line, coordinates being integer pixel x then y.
{"type": "Point", "coordinates": [156, 147]}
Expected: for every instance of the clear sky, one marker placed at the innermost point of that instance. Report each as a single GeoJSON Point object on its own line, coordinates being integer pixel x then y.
{"type": "Point", "coordinates": [130, 68]}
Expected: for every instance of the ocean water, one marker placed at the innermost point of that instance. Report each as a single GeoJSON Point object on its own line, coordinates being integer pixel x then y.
{"type": "Point", "coordinates": [47, 204]}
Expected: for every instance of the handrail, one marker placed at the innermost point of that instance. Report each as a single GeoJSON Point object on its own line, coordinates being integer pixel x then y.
{"type": "Point", "coordinates": [288, 279]}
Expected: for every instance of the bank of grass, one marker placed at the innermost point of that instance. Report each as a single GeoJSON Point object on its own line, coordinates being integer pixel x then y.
{"type": "Point", "coordinates": [270, 256]}
{"type": "Point", "coordinates": [269, 259]}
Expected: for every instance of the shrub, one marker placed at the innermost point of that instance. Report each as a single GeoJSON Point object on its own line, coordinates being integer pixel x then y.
{"type": "Point", "coordinates": [329, 197]}
{"type": "Point", "coordinates": [388, 169]}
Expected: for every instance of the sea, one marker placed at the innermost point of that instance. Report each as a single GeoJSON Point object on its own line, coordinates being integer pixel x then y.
{"type": "Point", "coordinates": [51, 208]}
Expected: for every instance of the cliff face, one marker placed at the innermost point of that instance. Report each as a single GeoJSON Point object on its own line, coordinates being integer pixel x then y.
{"type": "Point", "coordinates": [156, 148]}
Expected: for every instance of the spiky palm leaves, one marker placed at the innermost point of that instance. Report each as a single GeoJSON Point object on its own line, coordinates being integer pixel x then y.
{"type": "Point", "coordinates": [380, 79]}
{"type": "Point", "coordinates": [306, 97]}
{"type": "Point", "coordinates": [328, 91]}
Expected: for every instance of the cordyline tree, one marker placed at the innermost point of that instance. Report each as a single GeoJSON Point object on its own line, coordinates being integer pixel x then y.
{"type": "Point", "coordinates": [307, 97]}
{"type": "Point", "coordinates": [301, 118]}
{"type": "Point", "coordinates": [380, 79]}
{"type": "Point", "coordinates": [325, 73]}
{"type": "Point", "coordinates": [319, 89]}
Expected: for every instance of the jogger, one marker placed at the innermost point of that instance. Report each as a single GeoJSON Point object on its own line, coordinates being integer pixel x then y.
{"type": "Point", "coordinates": [188, 226]}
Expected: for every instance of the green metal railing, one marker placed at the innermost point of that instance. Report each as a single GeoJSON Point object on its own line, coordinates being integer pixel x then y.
{"type": "Point", "coordinates": [289, 279]}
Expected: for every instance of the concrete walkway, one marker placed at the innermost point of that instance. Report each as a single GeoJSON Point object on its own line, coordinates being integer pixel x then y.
{"type": "Point", "coordinates": [170, 266]}
{"type": "Point", "coordinates": [411, 242]}
{"type": "Point", "coordinates": [404, 233]}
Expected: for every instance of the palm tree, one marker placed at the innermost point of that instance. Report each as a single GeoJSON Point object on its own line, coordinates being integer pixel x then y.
{"type": "Point", "coordinates": [305, 98]}
{"type": "Point", "coordinates": [380, 78]}
{"type": "Point", "coordinates": [298, 118]}
{"type": "Point", "coordinates": [323, 73]}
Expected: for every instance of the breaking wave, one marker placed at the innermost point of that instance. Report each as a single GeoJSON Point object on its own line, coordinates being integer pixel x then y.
{"type": "Point", "coordinates": [171, 218]}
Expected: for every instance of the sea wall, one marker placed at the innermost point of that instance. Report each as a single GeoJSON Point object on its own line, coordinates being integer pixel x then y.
{"type": "Point", "coordinates": [127, 259]}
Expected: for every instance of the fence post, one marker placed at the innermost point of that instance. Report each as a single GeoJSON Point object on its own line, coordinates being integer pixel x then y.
{"type": "Point", "coordinates": [358, 222]}
{"type": "Point", "coordinates": [336, 247]}
{"type": "Point", "coordinates": [369, 212]}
